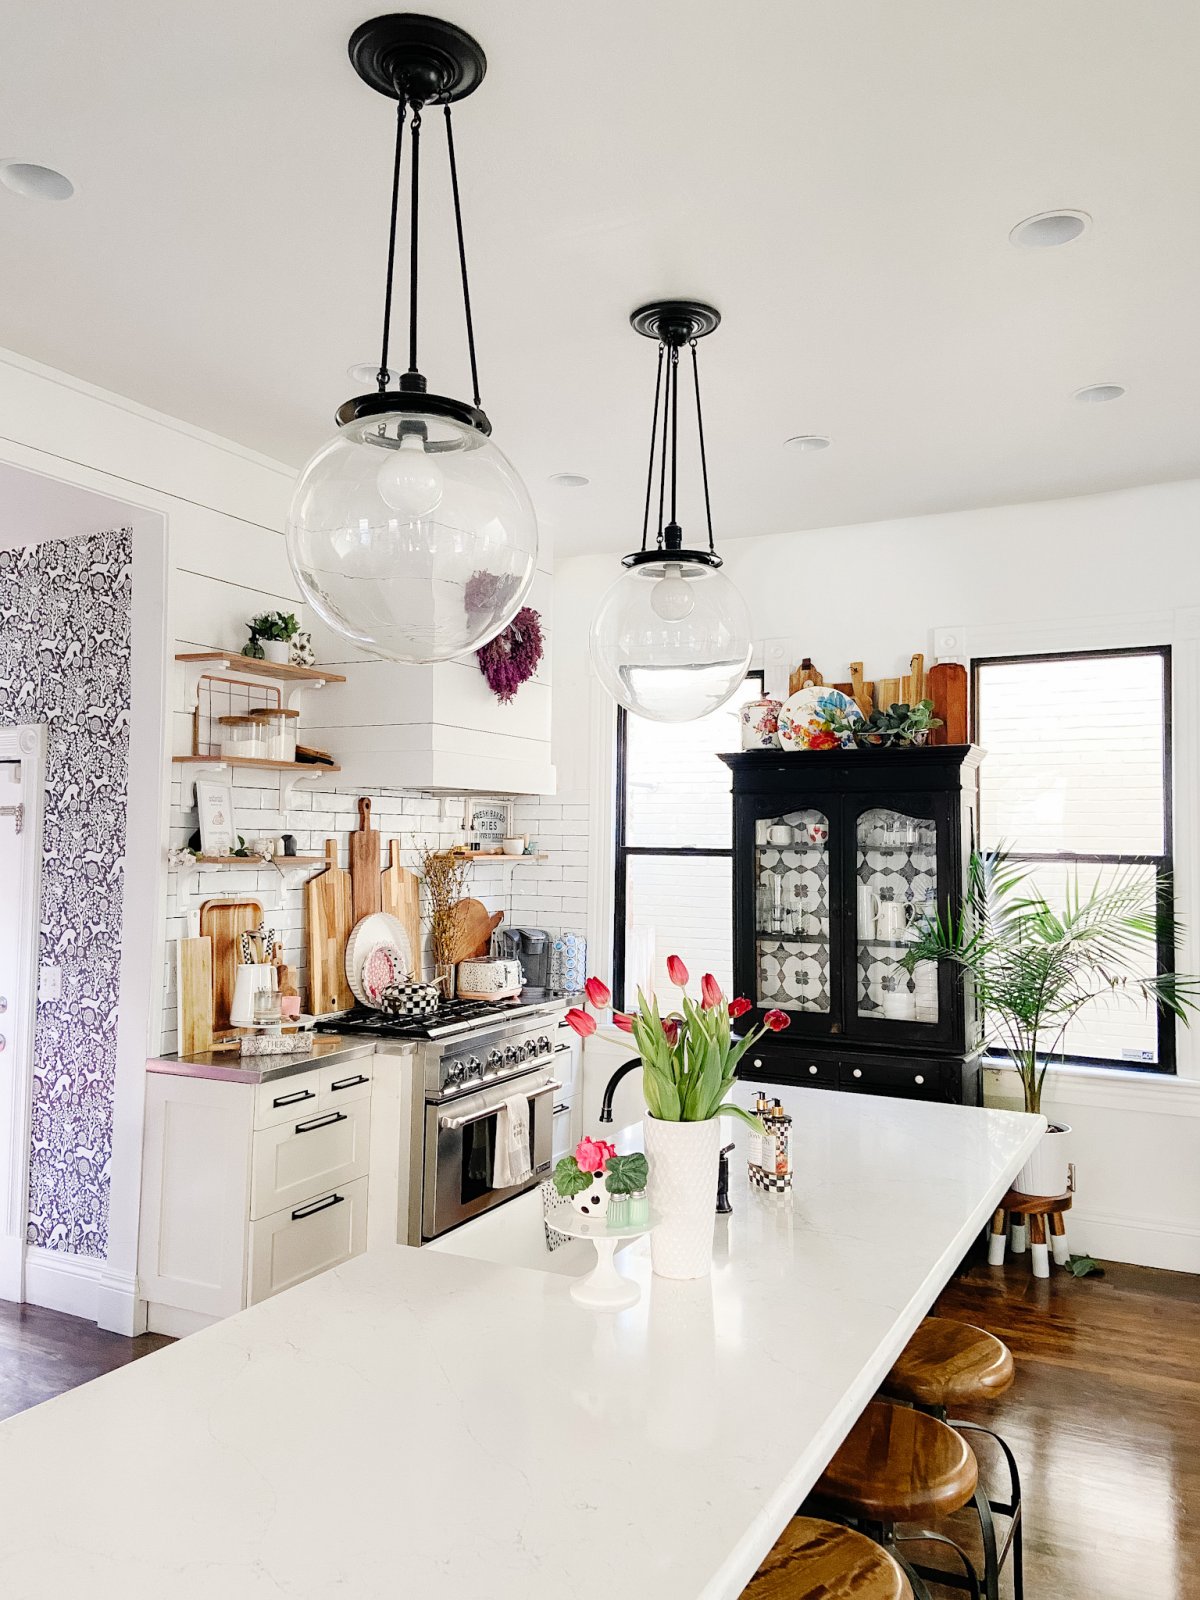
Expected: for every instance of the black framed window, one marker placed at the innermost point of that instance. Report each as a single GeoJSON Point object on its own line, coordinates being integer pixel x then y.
{"type": "Point", "coordinates": [1077, 781]}
{"type": "Point", "coordinates": [674, 847]}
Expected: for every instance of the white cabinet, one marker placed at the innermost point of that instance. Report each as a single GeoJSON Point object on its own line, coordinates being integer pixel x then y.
{"type": "Point", "coordinates": [250, 1188]}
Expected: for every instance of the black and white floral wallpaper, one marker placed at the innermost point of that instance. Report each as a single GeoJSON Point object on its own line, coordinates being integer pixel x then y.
{"type": "Point", "coordinates": [64, 661]}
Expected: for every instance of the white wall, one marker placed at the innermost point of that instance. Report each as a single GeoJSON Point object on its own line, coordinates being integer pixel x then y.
{"type": "Point", "coordinates": [1101, 570]}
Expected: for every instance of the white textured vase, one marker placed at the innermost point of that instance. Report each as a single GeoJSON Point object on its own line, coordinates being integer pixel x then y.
{"type": "Point", "coordinates": [682, 1193]}
{"type": "Point", "coordinates": [1047, 1172]}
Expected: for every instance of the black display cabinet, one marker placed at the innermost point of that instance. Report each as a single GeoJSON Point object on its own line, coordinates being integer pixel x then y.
{"type": "Point", "coordinates": [835, 855]}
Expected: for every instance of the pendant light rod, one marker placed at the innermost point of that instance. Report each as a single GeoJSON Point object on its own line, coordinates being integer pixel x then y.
{"type": "Point", "coordinates": [662, 350]}
{"type": "Point", "coordinates": [462, 257]}
{"type": "Point", "coordinates": [703, 457]}
{"type": "Point", "coordinates": [414, 223]}
{"type": "Point", "coordinates": [401, 110]}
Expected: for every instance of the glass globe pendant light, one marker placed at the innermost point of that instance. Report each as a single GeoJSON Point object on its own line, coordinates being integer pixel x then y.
{"type": "Point", "coordinates": [410, 532]}
{"type": "Point", "coordinates": [671, 639]}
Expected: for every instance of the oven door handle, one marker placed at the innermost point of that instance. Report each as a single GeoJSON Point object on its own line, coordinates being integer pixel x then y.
{"type": "Point", "coordinates": [450, 1123]}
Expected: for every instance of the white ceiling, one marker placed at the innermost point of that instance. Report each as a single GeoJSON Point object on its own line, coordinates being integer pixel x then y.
{"type": "Point", "coordinates": [839, 179]}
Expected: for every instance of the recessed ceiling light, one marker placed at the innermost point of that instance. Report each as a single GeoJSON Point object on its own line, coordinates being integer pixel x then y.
{"type": "Point", "coordinates": [34, 182]}
{"type": "Point", "coordinates": [569, 480]}
{"type": "Point", "coordinates": [1049, 228]}
{"type": "Point", "coordinates": [367, 373]}
{"type": "Point", "coordinates": [809, 441]}
{"type": "Point", "coordinates": [1096, 394]}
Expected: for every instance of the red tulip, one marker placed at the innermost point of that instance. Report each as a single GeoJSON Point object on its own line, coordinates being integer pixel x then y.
{"type": "Point", "coordinates": [710, 992]}
{"type": "Point", "coordinates": [623, 1021]}
{"type": "Point", "coordinates": [677, 972]}
{"type": "Point", "coordinates": [598, 993]}
{"type": "Point", "coordinates": [739, 1007]}
{"type": "Point", "coordinates": [670, 1027]}
{"type": "Point", "coordinates": [581, 1022]}
{"type": "Point", "coordinates": [777, 1021]}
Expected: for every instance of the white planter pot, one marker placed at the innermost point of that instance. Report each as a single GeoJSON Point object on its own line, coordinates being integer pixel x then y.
{"type": "Point", "coordinates": [1047, 1170]}
{"type": "Point", "coordinates": [278, 651]}
{"type": "Point", "coordinates": [682, 1192]}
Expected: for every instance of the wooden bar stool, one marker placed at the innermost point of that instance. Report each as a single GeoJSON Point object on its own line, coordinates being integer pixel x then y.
{"type": "Point", "coordinates": [1040, 1209]}
{"type": "Point", "coordinates": [901, 1465]}
{"type": "Point", "coordinates": [817, 1560]}
{"type": "Point", "coordinates": [947, 1364]}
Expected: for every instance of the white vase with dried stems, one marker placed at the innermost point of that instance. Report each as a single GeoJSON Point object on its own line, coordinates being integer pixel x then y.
{"type": "Point", "coordinates": [444, 877]}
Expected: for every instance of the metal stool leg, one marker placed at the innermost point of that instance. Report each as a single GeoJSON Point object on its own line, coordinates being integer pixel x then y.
{"type": "Point", "coordinates": [1012, 1508]}
{"type": "Point", "coordinates": [950, 1580]}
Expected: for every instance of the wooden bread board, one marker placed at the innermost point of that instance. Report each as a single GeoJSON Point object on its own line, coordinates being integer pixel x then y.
{"type": "Point", "coordinates": [400, 896]}
{"type": "Point", "coordinates": [329, 919]}
{"type": "Point", "coordinates": [475, 925]}
{"type": "Point", "coordinates": [224, 922]}
{"type": "Point", "coordinates": [947, 688]}
{"type": "Point", "coordinates": [364, 865]}
{"type": "Point", "coordinates": [195, 978]}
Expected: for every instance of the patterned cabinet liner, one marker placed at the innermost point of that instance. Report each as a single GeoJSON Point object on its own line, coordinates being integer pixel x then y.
{"type": "Point", "coordinates": [904, 870]}
{"type": "Point", "coordinates": [792, 911]}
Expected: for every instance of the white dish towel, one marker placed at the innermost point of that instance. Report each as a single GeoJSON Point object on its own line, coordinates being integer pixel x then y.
{"type": "Point", "coordinates": [512, 1144]}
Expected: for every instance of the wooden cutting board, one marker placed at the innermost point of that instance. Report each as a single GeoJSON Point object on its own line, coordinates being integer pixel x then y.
{"type": "Point", "coordinates": [400, 894]}
{"type": "Point", "coordinates": [863, 694]}
{"type": "Point", "coordinates": [947, 688]}
{"type": "Point", "coordinates": [224, 922]}
{"type": "Point", "coordinates": [329, 919]}
{"type": "Point", "coordinates": [195, 996]}
{"type": "Point", "coordinates": [364, 865]}
{"type": "Point", "coordinates": [912, 687]}
{"type": "Point", "coordinates": [475, 928]}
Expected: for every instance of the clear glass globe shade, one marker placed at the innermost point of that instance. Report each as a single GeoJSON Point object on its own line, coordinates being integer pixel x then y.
{"type": "Point", "coordinates": [671, 669]}
{"type": "Point", "coordinates": [410, 480]}
{"type": "Point", "coordinates": [402, 581]}
{"type": "Point", "coordinates": [671, 597]}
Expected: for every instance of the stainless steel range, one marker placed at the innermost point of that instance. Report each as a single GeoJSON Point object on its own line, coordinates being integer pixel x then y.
{"type": "Point", "coordinates": [470, 1058]}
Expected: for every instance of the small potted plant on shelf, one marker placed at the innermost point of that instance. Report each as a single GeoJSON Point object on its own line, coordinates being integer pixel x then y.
{"type": "Point", "coordinates": [271, 636]}
{"type": "Point", "coordinates": [689, 1061]}
{"type": "Point", "coordinates": [1034, 969]}
{"type": "Point", "coordinates": [598, 1182]}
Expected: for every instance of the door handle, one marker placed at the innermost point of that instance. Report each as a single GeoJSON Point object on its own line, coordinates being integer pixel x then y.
{"type": "Point", "coordinates": [321, 1122]}
{"type": "Point", "coordinates": [450, 1124]}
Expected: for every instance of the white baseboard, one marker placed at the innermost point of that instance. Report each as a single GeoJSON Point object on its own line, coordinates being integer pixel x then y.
{"type": "Point", "coordinates": [84, 1287]}
{"type": "Point", "coordinates": [174, 1321]}
{"type": "Point", "coordinates": [1142, 1242]}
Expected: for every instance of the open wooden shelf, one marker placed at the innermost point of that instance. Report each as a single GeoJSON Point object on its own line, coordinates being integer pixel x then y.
{"type": "Point", "coordinates": [477, 856]}
{"type": "Point", "coordinates": [309, 768]}
{"type": "Point", "coordinates": [260, 861]}
{"type": "Point", "coordinates": [254, 668]}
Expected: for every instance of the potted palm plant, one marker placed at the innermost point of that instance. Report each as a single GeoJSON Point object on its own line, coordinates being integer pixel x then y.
{"type": "Point", "coordinates": [1034, 968]}
{"type": "Point", "coordinates": [689, 1061]}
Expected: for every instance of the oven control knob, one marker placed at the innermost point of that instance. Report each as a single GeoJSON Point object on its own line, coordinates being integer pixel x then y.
{"type": "Point", "coordinates": [455, 1072]}
{"type": "Point", "coordinates": [494, 1059]}
{"type": "Point", "coordinates": [474, 1067]}
{"type": "Point", "coordinates": [544, 1046]}
{"type": "Point", "coordinates": [510, 1055]}
{"type": "Point", "coordinates": [526, 1049]}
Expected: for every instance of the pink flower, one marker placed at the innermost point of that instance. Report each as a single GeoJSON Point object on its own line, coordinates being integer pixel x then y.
{"type": "Point", "coordinates": [607, 1151]}
{"type": "Point", "coordinates": [623, 1021]}
{"type": "Point", "coordinates": [739, 1007]}
{"type": "Point", "coordinates": [677, 972]}
{"type": "Point", "coordinates": [670, 1027]}
{"type": "Point", "coordinates": [590, 1155]}
{"type": "Point", "coordinates": [777, 1021]}
{"type": "Point", "coordinates": [598, 993]}
{"type": "Point", "coordinates": [579, 1020]}
{"type": "Point", "coordinates": [710, 992]}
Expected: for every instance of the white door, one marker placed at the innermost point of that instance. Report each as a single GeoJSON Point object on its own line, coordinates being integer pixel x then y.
{"type": "Point", "coordinates": [21, 765]}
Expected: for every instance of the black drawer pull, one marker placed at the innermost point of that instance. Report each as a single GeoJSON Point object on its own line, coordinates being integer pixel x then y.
{"type": "Point", "coordinates": [321, 1122]}
{"type": "Point", "coordinates": [563, 1023]}
{"type": "Point", "coordinates": [293, 1099]}
{"type": "Point", "coordinates": [351, 1083]}
{"type": "Point", "coordinates": [318, 1205]}
{"type": "Point", "coordinates": [561, 1110]}
{"type": "Point", "coordinates": [559, 1048]}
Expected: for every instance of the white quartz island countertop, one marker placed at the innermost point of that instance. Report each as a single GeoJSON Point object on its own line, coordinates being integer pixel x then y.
{"type": "Point", "coordinates": [420, 1426]}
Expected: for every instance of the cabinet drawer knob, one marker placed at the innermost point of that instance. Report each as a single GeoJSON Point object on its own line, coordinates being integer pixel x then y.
{"type": "Point", "coordinates": [318, 1205]}
{"type": "Point", "coordinates": [350, 1083]}
{"type": "Point", "coordinates": [293, 1099]}
{"type": "Point", "coordinates": [858, 1072]}
{"type": "Point", "coordinates": [321, 1122]}
{"type": "Point", "coordinates": [758, 1061]}
{"type": "Point", "coordinates": [813, 1071]}
{"type": "Point", "coordinates": [920, 1078]}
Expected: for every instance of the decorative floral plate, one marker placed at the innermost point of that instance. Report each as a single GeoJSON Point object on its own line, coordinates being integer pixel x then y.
{"type": "Point", "coordinates": [804, 725]}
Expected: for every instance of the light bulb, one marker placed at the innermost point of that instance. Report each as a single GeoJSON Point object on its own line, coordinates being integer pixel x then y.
{"type": "Point", "coordinates": [410, 480]}
{"type": "Point", "coordinates": [670, 598]}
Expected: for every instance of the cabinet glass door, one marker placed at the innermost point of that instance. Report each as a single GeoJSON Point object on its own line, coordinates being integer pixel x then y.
{"type": "Point", "coordinates": [896, 856]}
{"type": "Point", "coordinates": [792, 954]}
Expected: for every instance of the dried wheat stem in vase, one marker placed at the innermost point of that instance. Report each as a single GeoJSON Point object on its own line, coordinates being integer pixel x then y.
{"type": "Point", "coordinates": [445, 879]}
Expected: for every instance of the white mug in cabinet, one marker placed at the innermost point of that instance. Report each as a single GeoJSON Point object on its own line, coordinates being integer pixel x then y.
{"type": "Point", "coordinates": [868, 912]}
{"type": "Point", "coordinates": [899, 1004]}
{"type": "Point", "coordinates": [891, 920]}
{"type": "Point", "coordinates": [779, 833]}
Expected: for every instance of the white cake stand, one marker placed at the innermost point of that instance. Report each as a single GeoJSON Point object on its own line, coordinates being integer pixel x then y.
{"type": "Point", "coordinates": [604, 1289]}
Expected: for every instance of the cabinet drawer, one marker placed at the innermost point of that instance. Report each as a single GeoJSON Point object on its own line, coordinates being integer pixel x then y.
{"type": "Point", "coordinates": [561, 1122]}
{"type": "Point", "coordinates": [308, 1156]}
{"type": "Point", "coordinates": [913, 1081]}
{"type": "Point", "coordinates": [291, 1245]}
{"type": "Point", "coordinates": [287, 1099]}
{"type": "Point", "coordinates": [345, 1082]}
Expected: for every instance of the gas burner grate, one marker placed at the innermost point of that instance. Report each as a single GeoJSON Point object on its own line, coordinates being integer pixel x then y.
{"type": "Point", "coordinates": [451, 1016]}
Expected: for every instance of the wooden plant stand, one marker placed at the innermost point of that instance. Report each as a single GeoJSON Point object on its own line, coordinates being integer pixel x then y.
{"type": "Point", "coordinates": [1039, 1209]}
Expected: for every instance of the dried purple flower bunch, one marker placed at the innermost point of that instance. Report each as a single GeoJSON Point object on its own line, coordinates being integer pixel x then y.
{"type": "Point", "coordinates": [512, 657]}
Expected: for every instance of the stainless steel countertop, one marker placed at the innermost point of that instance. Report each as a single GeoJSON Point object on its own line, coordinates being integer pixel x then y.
{"type": "Point", "coordinates": [232, 1068]}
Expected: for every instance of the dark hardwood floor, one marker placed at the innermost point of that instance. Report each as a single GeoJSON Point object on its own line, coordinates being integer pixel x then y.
{"type": "Point", "coordinates": [1104, 1417]}
{"type": "Point", "coordinates": [43, 1353]}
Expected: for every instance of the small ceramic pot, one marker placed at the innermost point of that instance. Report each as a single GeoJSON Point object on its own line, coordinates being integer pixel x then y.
{"type": "Point", "coordinates": [277, 651]}
{"type": "Point", "coordinates": [514, 846]}
{"type": "Point", "coordinates": [1048, 1170]}
{"type": "Point", "coordinates": [302, 653]}
{"type": "Point", "coordinates": [593, 1202]}
{"type": "Point", "coordinates": [760, 729]}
